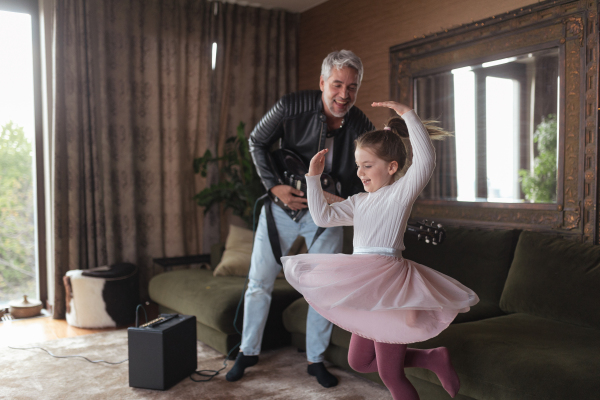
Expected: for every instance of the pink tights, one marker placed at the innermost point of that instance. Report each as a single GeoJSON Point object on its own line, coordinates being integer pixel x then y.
{"type": "Point", "coordinates": [390, 360]}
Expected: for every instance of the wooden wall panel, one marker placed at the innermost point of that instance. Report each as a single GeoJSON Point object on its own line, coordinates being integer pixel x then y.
{"type": "Point", "coordinates": [370, 28]}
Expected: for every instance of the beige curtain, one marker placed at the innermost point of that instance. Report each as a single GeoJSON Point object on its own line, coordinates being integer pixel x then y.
{"type": "Point", "coordinates": [136, 100]}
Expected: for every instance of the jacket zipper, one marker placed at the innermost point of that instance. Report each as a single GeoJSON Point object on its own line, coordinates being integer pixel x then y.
{"type": "Point", "coordinates": [320, 137]}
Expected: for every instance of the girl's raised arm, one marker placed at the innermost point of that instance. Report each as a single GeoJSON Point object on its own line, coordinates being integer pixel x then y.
{"type": "Point", "coordinates": [423, 160]}
{"type": "Point", "coordinates": [323, 214]}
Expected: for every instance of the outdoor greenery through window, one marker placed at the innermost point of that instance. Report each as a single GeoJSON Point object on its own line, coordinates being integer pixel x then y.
{"type": "Point", "coordinates": [18, 268]}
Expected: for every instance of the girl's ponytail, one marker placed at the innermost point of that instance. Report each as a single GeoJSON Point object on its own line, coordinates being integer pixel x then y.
{"type": "Point", "coordinates": [392, 144]}
{"type": "Point", "coordinates": [398, 126]}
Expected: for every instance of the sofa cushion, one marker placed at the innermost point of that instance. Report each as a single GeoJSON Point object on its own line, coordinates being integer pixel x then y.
{"type": "Point", "coordinates": [213, 300]}
{"type": "Point", "coordinates": [520, 356]}
{"type": "Point", "coordinates": [478, 259]}
{"type": "Point", "coordinates": [235, 260]}
{"type": "Point", "coordinates": [294, 316]}
{"type": "Point", "coordinates": [237, 253]}
{"type": "Point", "coordinates": [554, 278]}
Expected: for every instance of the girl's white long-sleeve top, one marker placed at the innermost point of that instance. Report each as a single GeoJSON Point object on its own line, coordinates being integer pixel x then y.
{"type": "Point", "coordinates": [380, 218]}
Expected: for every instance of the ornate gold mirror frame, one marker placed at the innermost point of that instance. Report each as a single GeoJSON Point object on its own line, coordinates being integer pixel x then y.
{"type": "Point", "coordinates": [572, 27]}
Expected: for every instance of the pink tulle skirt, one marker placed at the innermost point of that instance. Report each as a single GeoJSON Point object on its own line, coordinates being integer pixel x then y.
{"type": "Point", "coordinates": [382, 298]}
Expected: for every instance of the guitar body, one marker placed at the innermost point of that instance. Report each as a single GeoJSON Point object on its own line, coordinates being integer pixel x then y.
{"type": "Point", "coordinates": [429, 232]}
{"type": "Point", "coordinates": [291, 171]}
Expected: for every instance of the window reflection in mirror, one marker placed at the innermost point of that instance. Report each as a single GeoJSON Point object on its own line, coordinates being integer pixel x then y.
{"type": "Point", "coordinates": [504, 117]}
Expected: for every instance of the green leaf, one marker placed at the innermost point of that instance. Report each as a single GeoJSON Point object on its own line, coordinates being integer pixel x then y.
{"type": "Point", "coordinates": [539, 185]}
{"type": "Point", "coordinates": [240, 185]}
{"type": "Point", "coordinates": [17, 230]}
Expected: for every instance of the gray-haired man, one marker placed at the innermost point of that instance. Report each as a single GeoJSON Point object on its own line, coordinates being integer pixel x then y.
{"type": "Point", "coordinates": [305, 123]}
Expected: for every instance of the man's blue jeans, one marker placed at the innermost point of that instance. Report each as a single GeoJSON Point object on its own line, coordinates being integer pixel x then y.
{"type": "Point", "coordinates": [264, 270]}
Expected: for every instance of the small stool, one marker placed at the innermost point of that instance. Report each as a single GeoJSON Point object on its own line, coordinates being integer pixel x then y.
{"type": "Point", "coordinates": [102, 297]}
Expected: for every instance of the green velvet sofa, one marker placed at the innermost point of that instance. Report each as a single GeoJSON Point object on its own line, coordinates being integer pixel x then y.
{"type": "Point", "coordinates": [214, 301]}
{"type": "Point", "coordinates": [535, 333]}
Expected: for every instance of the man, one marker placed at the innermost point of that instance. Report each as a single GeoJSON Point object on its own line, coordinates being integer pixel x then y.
{"type": "Point", "coordinates": [305, 123]}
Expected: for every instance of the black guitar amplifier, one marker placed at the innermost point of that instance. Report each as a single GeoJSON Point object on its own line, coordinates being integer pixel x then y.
{"type": "Point", "coordinates": [162, 352]}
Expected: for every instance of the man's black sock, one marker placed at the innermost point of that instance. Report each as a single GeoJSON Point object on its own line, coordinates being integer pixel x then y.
{"type": "Point", "coordinates": [241, 363]}
{"type": "Point", "coordinates": [323, 376]}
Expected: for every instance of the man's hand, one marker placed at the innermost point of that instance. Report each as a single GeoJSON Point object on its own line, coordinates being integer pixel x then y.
{"type": "Point", "coordinates": [289, 196]}
{"type": "Point", "coordinates": [317, 163]}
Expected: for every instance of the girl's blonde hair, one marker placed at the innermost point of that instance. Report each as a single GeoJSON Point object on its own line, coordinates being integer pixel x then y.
{"type": "Point", "coordinates": [388, 143]}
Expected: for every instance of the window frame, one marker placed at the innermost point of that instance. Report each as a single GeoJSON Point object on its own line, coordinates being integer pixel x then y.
{"type": "Point", "coordinates": [31, 7]}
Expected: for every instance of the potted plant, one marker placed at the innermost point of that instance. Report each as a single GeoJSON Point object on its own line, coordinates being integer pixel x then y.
{"type": "Point", "coordinates": [239, 185]}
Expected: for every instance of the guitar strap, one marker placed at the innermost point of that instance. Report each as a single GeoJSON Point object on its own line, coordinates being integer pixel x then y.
{"type": "Point", "coordinates": [274, 234]}
{"type": "Point", "coordinates": [272, 230]}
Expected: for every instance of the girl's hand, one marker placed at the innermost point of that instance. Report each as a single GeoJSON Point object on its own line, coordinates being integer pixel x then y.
{"type": "Point", "coordinates": [398, 107]}
{"type": "Point", "coordinates": [317, 164]}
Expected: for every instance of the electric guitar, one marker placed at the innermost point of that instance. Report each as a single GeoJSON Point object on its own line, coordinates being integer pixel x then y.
{"type": "Point", "coordinates": [429, 232]}
{"type": "Point", "coordinates": [291, 171]}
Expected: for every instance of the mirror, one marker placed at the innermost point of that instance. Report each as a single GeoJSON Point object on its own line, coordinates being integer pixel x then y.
{"type": "Point", "coordinates": [503, 113]}
{"type": "Point", "coordinates": [495, 82]}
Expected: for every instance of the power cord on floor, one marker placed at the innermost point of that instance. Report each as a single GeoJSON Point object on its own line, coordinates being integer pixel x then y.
{"type": "Point", "coordinates": [212, 373]}
{"type": "Point", "coordinates": [85, 358]}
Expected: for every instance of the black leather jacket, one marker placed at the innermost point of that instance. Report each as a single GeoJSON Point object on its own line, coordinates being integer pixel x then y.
{"type": "Point", "coordinates": [297, 119]}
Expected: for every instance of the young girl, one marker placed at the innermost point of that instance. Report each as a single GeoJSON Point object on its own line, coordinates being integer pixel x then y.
{"type": "Point", "coordinates": [385, 300]}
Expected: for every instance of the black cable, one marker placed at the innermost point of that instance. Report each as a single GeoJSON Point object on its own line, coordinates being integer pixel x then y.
{"type": "Point", "coordinates": [85, 358]}
{"type": "Point", "coordinates": [213, 372]}
{"type": "Point", "coordinates": [136, 315]}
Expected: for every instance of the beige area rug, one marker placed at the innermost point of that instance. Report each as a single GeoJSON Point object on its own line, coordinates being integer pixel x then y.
{"type": "Point", "coordinates": [280, 374]}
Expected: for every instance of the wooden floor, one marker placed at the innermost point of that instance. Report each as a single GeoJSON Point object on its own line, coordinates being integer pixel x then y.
{"type": "Point", "coordinates": [19, 332]}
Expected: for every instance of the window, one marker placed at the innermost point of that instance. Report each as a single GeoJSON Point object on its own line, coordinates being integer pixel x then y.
{"type": "Point", "coordinates": [214, 55]}
{"type": "Point", "coordinates": [22, 238]}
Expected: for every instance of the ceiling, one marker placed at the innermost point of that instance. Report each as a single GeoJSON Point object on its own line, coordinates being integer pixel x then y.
{"type": "Point", "coordinates": [297, 6]}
